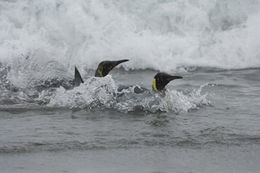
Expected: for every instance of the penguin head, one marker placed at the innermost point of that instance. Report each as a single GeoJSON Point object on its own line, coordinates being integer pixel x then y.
{"type": "Point", "coordinates": [160, 80]}
{"type": "Point", "coordinates": [106, 66]}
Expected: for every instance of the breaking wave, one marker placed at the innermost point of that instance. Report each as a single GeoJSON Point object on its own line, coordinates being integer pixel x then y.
{"type": "Point", "coordinates": [153, 34]}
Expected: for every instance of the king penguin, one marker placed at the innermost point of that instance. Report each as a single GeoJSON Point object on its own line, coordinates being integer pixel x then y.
{"type": "Point", "coordinates": [106, 66]}
{"type": "Point", "coordinates": [160, 80]}
{"type": "Point", "coordinates": [103, 69]}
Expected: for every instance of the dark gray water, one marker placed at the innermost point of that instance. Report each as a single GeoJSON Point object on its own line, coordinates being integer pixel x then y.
{"type": "Point", "coordinates": [209, 111]}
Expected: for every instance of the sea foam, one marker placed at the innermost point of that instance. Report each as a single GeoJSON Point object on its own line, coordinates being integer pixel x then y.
{"type": "Point", "coordinates": [159, 35]}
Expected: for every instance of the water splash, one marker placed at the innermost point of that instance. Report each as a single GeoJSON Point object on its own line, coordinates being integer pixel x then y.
{"type": "Point", "coordinates": [102, 93]}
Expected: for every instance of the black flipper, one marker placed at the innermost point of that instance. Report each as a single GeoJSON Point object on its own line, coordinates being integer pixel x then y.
{"type": "Point", "coordinates": [77, 78]}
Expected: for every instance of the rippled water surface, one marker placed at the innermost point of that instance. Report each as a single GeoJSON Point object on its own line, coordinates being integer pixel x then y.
{"type": "Point", "coordinates": [227, 116]}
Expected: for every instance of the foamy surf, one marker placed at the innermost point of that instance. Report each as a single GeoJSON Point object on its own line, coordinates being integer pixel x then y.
{"type": "Point", "coordinates": [159, 35]}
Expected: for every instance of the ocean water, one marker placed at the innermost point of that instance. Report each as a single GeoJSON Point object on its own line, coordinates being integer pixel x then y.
{"type": "Point", "coordinates": [207, 122]}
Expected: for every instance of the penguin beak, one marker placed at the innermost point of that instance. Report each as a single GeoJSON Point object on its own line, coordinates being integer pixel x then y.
{"type": "Point", "coordinates": [112, 64]}
{"type": "Point", "coordinates": [115, 63]}
{"type": "Point", "coordinates": [170, 78]}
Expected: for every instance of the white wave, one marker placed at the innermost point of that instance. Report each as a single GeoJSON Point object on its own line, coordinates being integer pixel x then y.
{"type": "Point", "coordinates": [160, 35]}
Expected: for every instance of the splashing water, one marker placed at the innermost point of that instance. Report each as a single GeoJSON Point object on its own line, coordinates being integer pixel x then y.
{"type": "Point", "coordinates": [103, 93]}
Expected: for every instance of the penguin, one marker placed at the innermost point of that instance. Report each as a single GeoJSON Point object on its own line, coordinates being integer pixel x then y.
{"type": "Point", "coordinates": [161, 79]}
{"type": "Point", "coordinates": [106, 66]}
